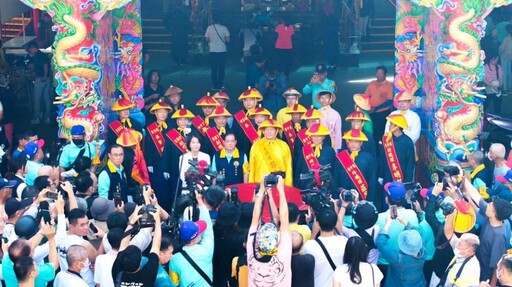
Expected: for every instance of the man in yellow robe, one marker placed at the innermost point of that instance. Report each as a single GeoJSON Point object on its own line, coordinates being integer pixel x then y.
{"type": "Point", "coordinates": [270, 154]}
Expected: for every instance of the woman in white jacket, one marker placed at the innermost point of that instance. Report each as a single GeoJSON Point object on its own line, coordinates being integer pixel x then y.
{"type": "Point", "coordinates": [193, 145]}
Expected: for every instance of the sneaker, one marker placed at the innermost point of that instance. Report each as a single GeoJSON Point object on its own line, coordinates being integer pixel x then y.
{"type": "Point", "coordinates": [35, 121]}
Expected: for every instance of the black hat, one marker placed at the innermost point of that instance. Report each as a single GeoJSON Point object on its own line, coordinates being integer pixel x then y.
{"type": "Point", "coordinates": [11, 206]}
{"type": "Point", "coordinates": [26, 227]}
{"type": "Point", "coordinates": [228, 214]}
{"type": "Point", "coordinates": [321, 68]}
{"type": "Point", "coordinates": [365, 215]}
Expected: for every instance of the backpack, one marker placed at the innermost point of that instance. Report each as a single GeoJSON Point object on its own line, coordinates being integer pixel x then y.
{"type": "Point", "coordinates": [240, 270]}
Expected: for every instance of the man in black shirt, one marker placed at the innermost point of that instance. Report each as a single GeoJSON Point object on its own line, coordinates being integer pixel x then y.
{"type": "Point", "coordinates": [42, 83]}
{"type": "Point", "coordinates": [303, 265]}
{"type": "Point", "coordinates": [126, 269]}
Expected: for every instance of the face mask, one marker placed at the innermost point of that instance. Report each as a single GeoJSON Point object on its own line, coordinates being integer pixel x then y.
{"type": "Point", "coordinates": [79, 142]}
{"type": "Point", "coordinates": [85, 268]}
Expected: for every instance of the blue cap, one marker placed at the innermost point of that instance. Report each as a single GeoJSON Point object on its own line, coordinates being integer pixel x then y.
{"type": "Point", "coordinates": [189, 230]}
{"type": "Point", "coordinates": [78, 130]}
{"type": "Point", "coordinates": [410, 242]}
{"type": "Point", "coordinates": [396, 190]}
{"type": "Point", "coordinates": [6, 183]}
{"type": "Point", "coordinates": [32, 147]}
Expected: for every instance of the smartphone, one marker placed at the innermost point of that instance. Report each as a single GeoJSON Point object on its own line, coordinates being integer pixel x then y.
{"type": "Point", "coordinates": [93, 228]}
{"type": "Point", "coordinates": [45, 214]}
{"type": "Point", "coordinates": [393, 209]}
{"type": "Point", "coordinates": [52, 195]}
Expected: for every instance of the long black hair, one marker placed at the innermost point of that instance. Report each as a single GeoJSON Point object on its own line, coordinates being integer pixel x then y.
{"type": "Point", "coordinates": [355, 253]}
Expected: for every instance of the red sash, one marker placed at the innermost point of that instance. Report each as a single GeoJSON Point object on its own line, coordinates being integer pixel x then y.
{"type": "Point", "coordinates": [247, 127]}
{"type": "Point", "coordinates": [177, 139]}
{"type": "Point", "coordinates": [156, 136]}
{"type": "Point", "coordinates": [116, 127]}
{"type": "Point", "coordinates": [215, 139]}
{"type": "Point", "coordinates": [355, 174]}
{"type": "Point", "coordinates": [200, 125]}
{"type": "Point", "coordinates": [305, 139]}
{"type": "Point", "coordinates": [392, 158]}
{"type": "Point", "coordinates": [309, 156]}
{"type": "Point", "coordinates": [289, 132]}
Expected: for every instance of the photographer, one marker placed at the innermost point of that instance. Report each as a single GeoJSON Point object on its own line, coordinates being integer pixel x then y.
{"type": "Point", "coordinates": [269, 251]}
{"type": "Point", "coordinates": [272, 85]}
{"type": "Point", "coordinates": [193, 265]}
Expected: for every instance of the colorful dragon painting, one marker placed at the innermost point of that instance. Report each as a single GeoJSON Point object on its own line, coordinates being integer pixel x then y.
{"type": "Point", "coordinates": [459, 67]}
{"type": "Point", "coordinates": [76, 60]}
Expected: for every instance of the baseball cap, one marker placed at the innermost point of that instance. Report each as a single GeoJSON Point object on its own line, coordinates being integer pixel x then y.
{"type": "Point", "coordinates": [6, 183]}
{"type": "Point", "coordinates": [506, 178]}
{"type": "Point", "coordinates": [11, 206]}
{"type": "Point", "coordinates": [32, 147]}
{"type": "Point", "coordinates": [190, 230]}
{"type": "Point", "coordinates": [395, 190]}
{"type": "Point", "coordinates": [78, 130]}
{"type": "Point", "coordinates": [320, 68]}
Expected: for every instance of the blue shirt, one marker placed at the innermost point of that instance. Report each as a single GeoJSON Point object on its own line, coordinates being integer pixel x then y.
{"type": "Point", "coordinates": [32, 170]}
{"type": "Point", "coordinates": [46, 273]}
{"type": "Point", "coordinates": [104, 179]}
{"type": "Point", "coordinates": [71, 151]}
{"type": "Point", "coordinates": [313, 89]}
{"type": "Point", "coordinates": [182, 273]}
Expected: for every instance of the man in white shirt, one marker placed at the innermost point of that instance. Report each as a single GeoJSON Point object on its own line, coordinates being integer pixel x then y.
{"type": "Point", "coordinates": [104, 262]}
{"type": "Point", "coordinates": [217, 37]}
{"type": "Point", "coordinates": [77, 260]}
{"type": "Point", "coordinates": [334, 246]}
{"type": "Point", "coordinates": [413, 120]}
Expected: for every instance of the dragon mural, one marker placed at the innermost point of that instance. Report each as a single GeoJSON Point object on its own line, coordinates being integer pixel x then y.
{"type": "Point", "coordinates": [76, 60]}
{"type": "Point", "coordinates": [458, 67]}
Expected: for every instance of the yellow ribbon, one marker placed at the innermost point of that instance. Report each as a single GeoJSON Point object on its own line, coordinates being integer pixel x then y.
{"type": "Point", "coordinates": [127, 122]}
{"type": "Point", "coordinates": [207, 121]}
{"type": "Point", "coordinates": [318, 149]}
{"type": "Point", "coordinates": [403, 113]}
{"type": "Point", "coordinates": [96, 160]}
{"type": "Point", "coordinates": [354, 154]}
{"type": "Point", "coordinates": [390, 133]}
{"type": "Point", "coordinates": [222, 130]}
{"type": "Point", "coordinates": [297, 126]}
{"type": "Point", "coordinates": [162, 126]}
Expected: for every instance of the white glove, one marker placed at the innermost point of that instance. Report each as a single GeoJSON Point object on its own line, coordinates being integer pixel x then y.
{"type": "Point", "coordinates": [167, 175]}
{"type": "Point", "coordinates": [381, 181]}
{"type": "Point", "coordinates": [150, 169]}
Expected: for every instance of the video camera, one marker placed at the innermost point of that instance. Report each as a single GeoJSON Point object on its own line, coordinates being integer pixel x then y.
{"type": "Point", "coordinates": [318, 192]}
{"type": "Point", "coordinates": [318, 177]}
{"type": "Point", "coordinates": [198, 174]}
{"type": "Point", "coordinates": [147, 219]}
{"type": "Point", "coordinates": [233, 196]}
{"type": "Point", "coordinates": [318, 199]}
{"type": "Point", "coordinates": [413, 190]}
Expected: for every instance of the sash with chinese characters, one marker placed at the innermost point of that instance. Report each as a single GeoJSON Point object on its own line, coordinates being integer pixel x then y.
{"type": "Point", "coordinates": [156, 136]}
{"type": "Point", "coordinates": [305, 139]}
{"type": "Point", "coordinates": [269, 158]}
{"type": "Point", "coordinates": [247, 126]}
{"type": "Point", "coordinates": [215, 139]}
{"type": "Point", "coordinates": [392, 158]}
{"type": "Point", "coordinates": [177, 139]}
{"type": "Point", "coordinates": [355, 174]}
{"type": "Point", "coordinates": [200, 125]}
{"type": "Point", "coordinates": [116, 127]}
{"type": "Point", "coordinates": [289, 132]}
{"type": "Point", "coordinates": [309, 156]}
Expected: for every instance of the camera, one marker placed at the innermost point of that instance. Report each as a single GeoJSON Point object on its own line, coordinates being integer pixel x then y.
{"type": "Point", "coordinates": [324, 177]}
{"type": "Point", "coordinates": [270, 180]}
{"type": "Point", "coordinates": [447, 208]}
{"type": "Point", "coordinates": [316, 199]}
{"type": "Point", "coordinates": [347, 195]}
{"type": "Point", "coordinates": [219, 180]}
{"type": "Point", "coordinates": [234, 196]}
{"type": "Point", "coordinates": [117, 199]}
{"type": "Point", "coordinates": [451, 170]}
{"type": "Point", "coordinates": [413, 191]}
{"type": "Point", "coordinates": [146, 218]}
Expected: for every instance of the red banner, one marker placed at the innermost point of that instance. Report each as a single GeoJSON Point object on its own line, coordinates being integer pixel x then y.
{"type": "Point", "coordinates": [305, 139]}
{"type": "Point", "coordinates": [116, 127]}
{"type": "Point", "coordinates": [309, 156]}
{"type": "Point", "coordinates": [392, 158]}
{"type": "Point", "coordinates": [355, 174]}
{"type": "Point", "coordinates": [215, 139]}
{"type": "Point", "coordinates": [200, 125]}
{"type": "Point", "coordinates": [289, 132]}
{"type": "Point", "coordinates": [247, 126]}
{"type": "Point", "coordinates": [177, 139]}
{"type": "Point", "coordinates": [140, 170]}
{"type": "Point", "coordinates": [156, 136]}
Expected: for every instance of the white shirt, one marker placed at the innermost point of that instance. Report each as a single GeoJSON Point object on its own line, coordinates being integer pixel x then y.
{"type": "Point", "coordinates": [103, 269]}
{"type": "Point", "coordinates": [335, 246]}
{"type": "Point", "coordinates": [142, 240]}
{"type": "Point", "coordinates": [66, 279]}
{"type": "Point", "coordinates": [185, 165]}
{"type": "Point", "coordinates": [470, 273]}
{"type": "Point", "coordinates": [342, 275]}
{"type": "Point", "coordinates": [413, 121]}
{"type": "Point", "coordinates": [217, 35]}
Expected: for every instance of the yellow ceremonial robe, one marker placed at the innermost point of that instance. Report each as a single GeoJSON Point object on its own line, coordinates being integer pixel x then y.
{"type": "Point", "coordinates": [269, 156]}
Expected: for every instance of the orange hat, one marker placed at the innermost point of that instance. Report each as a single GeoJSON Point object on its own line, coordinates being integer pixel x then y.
{"type": "Point", "coordinates": [251, 93]}
{"type": "Point", "coordinates": [318, 130]}
{"type": "Point", "coordinates": [260, 111]}
{"type": "Point", "coordinates": [207, 101]}
{"type": "Point", "coordinates": [123, 104]}
{"type": "Point", "coordinates": [357, 115]}
{"type": "Point", "coordinates": [405, 96]}
{"type": "Point", "coordinates": [160, 105]}
{"type": "Point", "coordinates": [296, 109]}
{"type": "Point", "coordinates": [182, 113]}
{"type": "Point", "coordinates": [173, 90]}
{"type": "Point", "coordinates": [270, 123]}
{"type": "Point", "coordinates": [398, 120]}
{"type": "Point", "coordinates": [312, 114]}
{"type": "Point", "coordinates": [292, 92]}
{"type": "Point", "coordinates": [220, 112]}
{"type": "Point", "coordinates": [128, 137]}
{"type": "Point", "coordinates": [355, 135]}
{"type": "Point", "coordinates": [333, 95]}
{"type": "Point", "coordinates": [221, 95]}
{"type": "Point", "coordinates": [362, 101]}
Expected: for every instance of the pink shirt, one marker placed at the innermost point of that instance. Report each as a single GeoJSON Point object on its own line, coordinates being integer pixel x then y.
{"type": "Point", "coordinates": [490, 75]}
{"type": "Point", "coordinates": [284, 36]}
{"type": "Point", "coordinates": [332, 120]}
